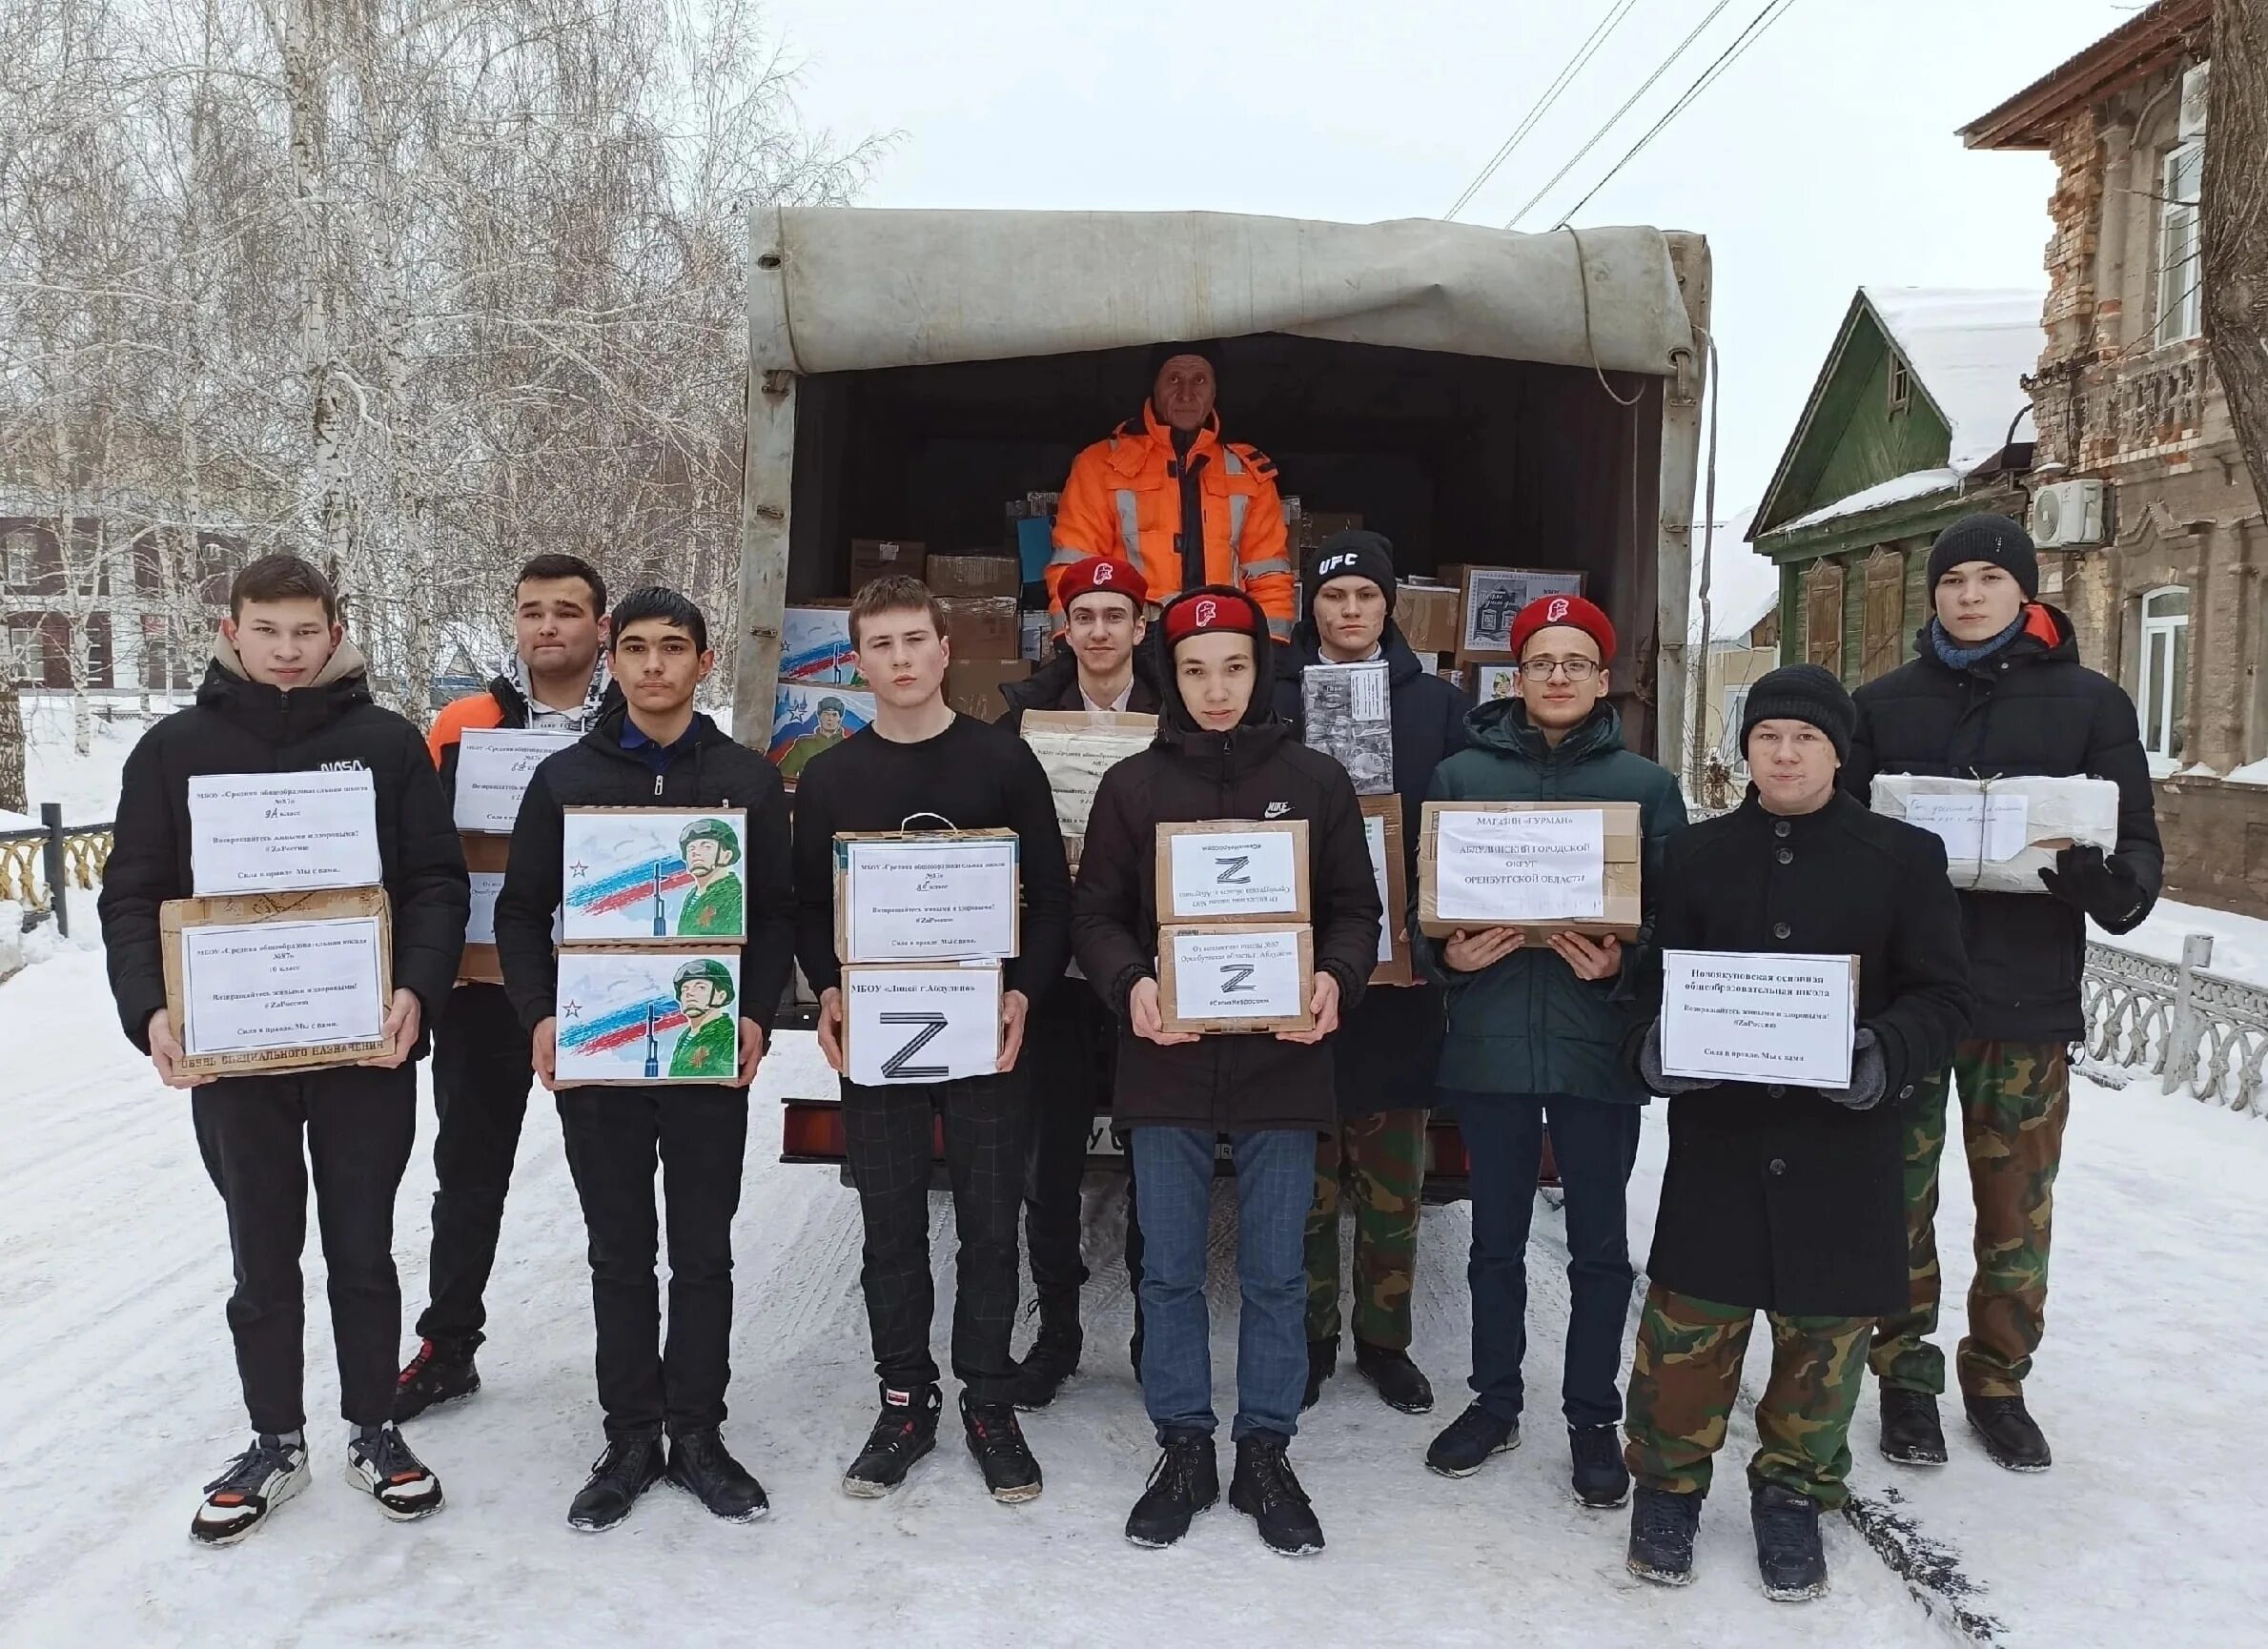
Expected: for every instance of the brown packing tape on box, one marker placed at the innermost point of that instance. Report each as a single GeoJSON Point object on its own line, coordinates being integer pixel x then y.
{"type": "Point", "coordinates": [842, 890]}
{"type": "Point", "coordinates": [872, 559]}
{"type": "Point", "coordinates": [1182, 905]}
{"type": "Point", "coordinates": [973, 685]}
{"type": "Point", "coordinates": [1620, 883]}
{"type": "Point", "coordinates": [1168, 984]}
{"type": "Point", "coordinates": [1396, 970]}
{"type": "Point", "coordinates": [974, 574]}
{"type": "Point", "coordinates": [982, 628]}
{"type": "Point", "coordinates": [255, 909]}
{"type": "Point", "coordinates": [483, 855]}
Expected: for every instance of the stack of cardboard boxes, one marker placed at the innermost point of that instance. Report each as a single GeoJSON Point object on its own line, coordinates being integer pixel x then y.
{"type": "Point", "coordinates": [1236, 950]}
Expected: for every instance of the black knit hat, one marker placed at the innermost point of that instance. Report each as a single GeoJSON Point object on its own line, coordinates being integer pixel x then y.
{"type": "Point", "coordinates": [1205, 350]}
{"type": "Point", "coordinates": [1983, 538]}
{"type": "Point", "coordinates": [1355, 554]}
{"type": "Point", "coordinates": [1803, 693]}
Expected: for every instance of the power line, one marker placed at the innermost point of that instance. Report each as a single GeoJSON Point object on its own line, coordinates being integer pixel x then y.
{"type": "Point", "coordinates": [1574, 66]}
{"type": "Point", "coordinates": [1772, 12]}
{"type": "Point", "coordinates": [1647, 85]}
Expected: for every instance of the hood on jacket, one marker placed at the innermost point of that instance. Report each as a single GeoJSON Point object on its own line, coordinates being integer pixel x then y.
{"type": "Point", "coordinates": [2047, 633]}
{"type": "Point", "coordinates": [1174, 716]}
{"type": "Point", "coordinates": [1503, 725]}
{"type": "Point", "coordinates": [277, 715]}
{"type": "Point", "coordinates": [346, 659]}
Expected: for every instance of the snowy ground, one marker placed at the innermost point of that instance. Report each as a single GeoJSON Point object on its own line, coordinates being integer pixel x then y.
{"type": "Point", "coordinates": [2240, 942]}
{"type": "Point", "coordinates": [114, 1267]}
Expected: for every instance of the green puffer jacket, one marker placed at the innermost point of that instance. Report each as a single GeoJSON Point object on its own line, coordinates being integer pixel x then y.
{"type": "Point", "coordinates": [1526, 1025]}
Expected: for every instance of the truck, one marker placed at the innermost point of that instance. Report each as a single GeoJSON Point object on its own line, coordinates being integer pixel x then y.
{"type": "Point", "coordinates": [1480, 396]}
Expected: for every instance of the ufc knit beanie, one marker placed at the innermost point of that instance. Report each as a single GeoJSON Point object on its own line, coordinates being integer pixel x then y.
{"type": "Point", "coordinates": [1355, 554]}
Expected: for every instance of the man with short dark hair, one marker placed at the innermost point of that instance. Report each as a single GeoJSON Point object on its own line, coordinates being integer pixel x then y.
{"type": "Point", "coordinates": [556, 679]}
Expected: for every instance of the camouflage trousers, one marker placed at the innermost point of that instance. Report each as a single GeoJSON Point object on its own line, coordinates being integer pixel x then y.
{"type": "Point", "coordinates": [2014, 1096]}
{"type": "Point", "coordinates": [1378, 1162]}
{"type": "Point", "coordinates": [1687, 1372]}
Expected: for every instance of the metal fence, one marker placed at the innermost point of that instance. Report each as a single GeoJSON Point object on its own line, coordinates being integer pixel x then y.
{"type": "Point", "coordinates": [39, 867]}
{"type": "Point", "coordinates": [2179, 1021]}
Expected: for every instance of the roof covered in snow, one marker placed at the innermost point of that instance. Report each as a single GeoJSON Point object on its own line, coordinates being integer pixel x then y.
{"type": "Point", "coordinates": [1744, 587]}
{"type": "Point", "coordinates": [1970, 350]}
{"type": "Point", "coordinates": [1897, 490]}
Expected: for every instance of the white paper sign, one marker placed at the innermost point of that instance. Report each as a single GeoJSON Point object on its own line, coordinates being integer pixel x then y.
{"type": "Point", "coordinates": [1758, 1016]}
{"type": "Point", "coordinates": [1987, 826]}
{"type": "Point", "coordinates": [1526, 866]}
{"type": "Point", "coordinates": [929, 901]}
{"type": "Point", "coordinates": [1233, 873]}
{"type": "Point", "coordinates": [480, 928]}
{"type": "Point", "coordinates": [262, 985]}
{"type": "Point", "coordinates": [921, 1023]}
{"type": "Point", "coordinates": [1237, 975]}
{"type": "Point", "coordinates": [282, 833]}
{"type": "Point", "coordinates": [493, 767]}
{"type": "Point", "coordinates": [1374, 835]}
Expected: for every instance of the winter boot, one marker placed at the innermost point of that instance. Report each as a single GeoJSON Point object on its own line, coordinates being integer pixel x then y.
{"type": "Point", "coordinates": [381, 1463]}
{"type": "Point", "coordinates": [701, 1465]}
{"type": "Point", "coordinates": [441, 1373]}
{"type": "Point", "coordinates": [2011, 1436]}
{"type": "Point", "coordinates": [1266, 1489]}
{"type": "Point", "coordinates": [1323, 1362]}
{"type": "Point", "coordinates": [1466, 1442]}
{"type": "Point", "coordinates": [256, 1482]}
{"type": "Point", "coordinates": [1787, 1551]}
{"type": "Point", "coordinates": [1399, 1380]}
{"type": "Point", "coordinates": [906, 1430]}
{"type": "Point", "coordinates": [1662, 1527]}
{"type": "Point", "coordinates": [996, 1443]}
{"type": "Point", "coordinates": [629, 1467]}
{"type": "Point", "coordinates": [1601, 1479]}
{"type": "Point", "coordinates": [1054, 1354]}
{"type": "Point", "coordinates": [1186, 1480]}
{"type": "Point", "coordinates": [1911, 1434]}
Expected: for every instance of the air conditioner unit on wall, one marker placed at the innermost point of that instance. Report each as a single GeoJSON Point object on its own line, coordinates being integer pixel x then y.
{"type": "Point", "coordinates": [2067, 514]}
{"type": "Point", "coordinates": [2191, 121]}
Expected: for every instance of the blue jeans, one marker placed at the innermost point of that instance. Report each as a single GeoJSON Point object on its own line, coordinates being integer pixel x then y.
{"type": "Point", "coordinates": [1274, 1185]}
{"type": "Point", "coordinates": [1595, 1143]}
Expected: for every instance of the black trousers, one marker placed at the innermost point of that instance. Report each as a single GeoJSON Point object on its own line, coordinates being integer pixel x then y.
{"type": "Point", "coordinates": [1071, 1055]}
{"type": "Point", "coordinates": [480, 1080]}
{"type": "Point", "coordinates": [258, 1136]}
{"type": "Point", "coordinates": [614, 1136]}
{"type": "Point", "coordinates": [888, 1134]}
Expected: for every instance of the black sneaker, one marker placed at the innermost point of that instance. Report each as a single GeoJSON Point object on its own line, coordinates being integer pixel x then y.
{"type": "Point", "coordinates": [1787, 1551]}
{"type": "Point", "coordinates": [1911, 1434]}
{"type": "Point", "coordinates": [1600, 1477]}
{"type": "Point", "coordinates": [1465, 1443]}
{"type": "Point", "coordinates": [441, 1373]}
{"type": "Point", "coordinates": [380, 1463]}
{"type": "Point", "coordinates": [906, 1430]}
{"type": "Point", "coordinates": [1323, 1362]}
{"type": "Point", "coordinates": [1662, 1527]}
{"type": "Point", "coordinates": [2011, 1436]}
{"type": "Point", "coordinates": [1399, 1380]}
{"type": "Point", "coordinates": [1266, 1489]}
{"type": "Point", "coordinates": [996, 1443]}
{"type": "Point", "coordinates": [629, 1467]}
{"type": "Point", "coordinates": [255, 1483]}
{"type": "Point", "coordinates": [701, 1465]}
{"type": "Point", "coordinates": [1186, 1480]}
{"type": "Point", "coordinates": [1052, 1360]}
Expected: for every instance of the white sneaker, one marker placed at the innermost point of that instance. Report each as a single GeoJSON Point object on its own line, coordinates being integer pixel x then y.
{"type": "Point", "coordinates": [256, 1481]}
{"type": "Point", "coordinates": [380, 1464]}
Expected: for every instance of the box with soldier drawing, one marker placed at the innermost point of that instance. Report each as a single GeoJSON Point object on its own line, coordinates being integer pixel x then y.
{"type": "Point", "coordinates": [646, 1016]}
{"type": "Point", "coordinates": [653, 876]}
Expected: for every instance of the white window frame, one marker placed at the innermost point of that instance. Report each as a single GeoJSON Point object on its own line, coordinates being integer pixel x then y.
{"type": "Point", "coordinates": [19, 559]}
{"type": "Point", "coordinates": [2154, 684]}
{"type": "Point", "coordinates": [2180, 246]}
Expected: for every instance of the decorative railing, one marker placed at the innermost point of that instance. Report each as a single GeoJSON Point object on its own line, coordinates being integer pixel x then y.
{"type": "Point", "coordinates": [39, 866]}
{"type": "Point", "coordinates": [2190, 1027]}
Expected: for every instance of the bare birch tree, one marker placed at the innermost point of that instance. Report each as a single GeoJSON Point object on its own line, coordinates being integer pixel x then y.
{"type": "Point", "coordinates": [2234, 212]}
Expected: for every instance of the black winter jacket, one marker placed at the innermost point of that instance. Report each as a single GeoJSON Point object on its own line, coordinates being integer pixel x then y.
{"type": "Point", "coordinates": [1777, 1198]}
{"type": "Point", "coordinates": [1388, 1054]}
{"type": "Point", "coordinates": [596, 771]}
{"type": "Point", "coordinates": [2031, 708]}
{"type": "Point", "coordinates": [1228, 1082]}
{"type": "Point", "coordinates": [241, 726]}
{"type": "Point", "coordinates": [1056, 686]}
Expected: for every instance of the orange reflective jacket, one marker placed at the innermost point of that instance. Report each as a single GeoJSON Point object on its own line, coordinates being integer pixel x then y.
{"type": "Point", "coordinates": [1125, 498]}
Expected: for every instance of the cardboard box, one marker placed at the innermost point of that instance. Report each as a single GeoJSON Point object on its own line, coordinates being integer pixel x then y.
{"type": "Point", "coordinates": [815, 645]}
{"type": "Point", "coordinates": [1031, 638]}
{"type": "Point", "coordinates": [872, 559]}
{"type": "Point", "coordinates": [927, 895]}
{"type": "Point", "coordinates": [921, 1022]}
{"type": "Point", "coordinates": [484, 860]}
{"type": "Point", "coordinates": [1390, 869]}
{"type": "Point", "coordinates": [1347, 713]}
{"type": "Point", "coordinates": [1076, 748]}
{"type": "Point", "coordinates": [982, 628]}
{"type": "Point", "coordinates": [1487, 682]}
{"type": "Point", "coordinates": [1241, 870]}
{"type": "Point", "coordinates": [640, 877]}
{"type": "Point", "coordinates": [973, 685]}
{"type": "Point", "coordinates": [288, 916]}
{"type": "Point", "coordinates": [975, 575]}
{"type": "Point", "coordinates": [1619, 915]}
{"type": "Point", "coordinates": [808, 717]}
{"type": "Point", "coordinates": [1239, 977]}
{"type": "Point", "coordinates": [1427, 615]}
{"type": "Point", "coordinates": [631, 1017]}
{"type": "Point", "coordinates": [1999, 834]}
{"type": "Point", "coordinates": [1490, 597]}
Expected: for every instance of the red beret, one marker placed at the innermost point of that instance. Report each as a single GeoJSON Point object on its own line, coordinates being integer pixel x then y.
{"type": "Point", "coordinates": [1106, 575]}
{"type": "Point", "coordinates": [1202, 612]}
{"type": "Point", "coordinates": [1572, 611]}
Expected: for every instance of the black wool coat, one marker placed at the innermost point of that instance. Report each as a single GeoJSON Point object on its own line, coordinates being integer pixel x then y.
{"type": "Point", "coordinates": [1775, 1198]}
{"type": "Point", "coordinates": [2031, 708]}
{"type": "Point", "coordinates": [1056, 686]}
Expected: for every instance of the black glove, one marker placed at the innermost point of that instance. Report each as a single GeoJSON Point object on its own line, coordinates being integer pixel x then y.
{"type": "Point", "coordinates": [1649, 1067]}
{"type": "Point", "coordinates": [2100, 888]}
{"type": "Point", "coordinates": [1869, 1077]}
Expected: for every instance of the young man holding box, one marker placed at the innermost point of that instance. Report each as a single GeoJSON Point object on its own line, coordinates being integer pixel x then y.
{"type": "Point", "coordinates": [1222, 753]}
{"type": "Point", "coordinates": [656, 750]}
{"type": "Point", "coordinates": [922, 764]}
{"type": "Point", "coordinates": [287, 693]}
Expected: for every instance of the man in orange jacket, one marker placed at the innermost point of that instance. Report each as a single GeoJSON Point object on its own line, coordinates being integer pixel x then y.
{"type": "Point", "coordinates": [1135, 493]}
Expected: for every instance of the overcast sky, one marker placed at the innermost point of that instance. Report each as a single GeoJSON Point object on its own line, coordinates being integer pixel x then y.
{"type": "Point", "coordinates": [1824, 159]}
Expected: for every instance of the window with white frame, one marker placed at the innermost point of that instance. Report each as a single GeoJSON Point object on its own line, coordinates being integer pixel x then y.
{"type": "Point", "coordinates": [2180, 247]}
{"type": "Point", "coordinates": [2162, 688]}
{"type": "Point", "coordinates": [19, 559]}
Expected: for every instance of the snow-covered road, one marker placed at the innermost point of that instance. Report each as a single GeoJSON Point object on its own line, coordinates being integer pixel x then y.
{"type": "Point", "coordinates": [122, 1399]}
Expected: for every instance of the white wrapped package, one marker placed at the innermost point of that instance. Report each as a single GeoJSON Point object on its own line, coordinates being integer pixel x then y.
{"type": "Point", "coordinates": [1999, 834]}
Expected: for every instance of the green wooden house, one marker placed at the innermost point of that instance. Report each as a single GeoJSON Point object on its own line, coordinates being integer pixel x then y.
{"type": "Point", "coordinates": [1919, 417]}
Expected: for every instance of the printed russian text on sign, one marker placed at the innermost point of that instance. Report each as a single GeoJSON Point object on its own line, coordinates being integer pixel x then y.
{"type": "Point", "coordinates": [928, 899]}
{"type": "Point", "coordinates": [493, 767]}
{"type": "Point", "coordinates": [282, 833]}
{"type": "Point", "coordinates": [1234, 872]}
{"type": "Point", "coordinates": [1987, 825]}
{"type": "Point", "coordinates": [1758, 1016]}
{"type": "Point", "coordinates": [1519, 866]}
{"type": "Point", "coordinates": [281, 984]}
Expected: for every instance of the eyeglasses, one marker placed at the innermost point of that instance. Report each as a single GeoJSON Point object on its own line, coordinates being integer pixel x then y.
{"type": "Point", "coordinates": [1574, 669]}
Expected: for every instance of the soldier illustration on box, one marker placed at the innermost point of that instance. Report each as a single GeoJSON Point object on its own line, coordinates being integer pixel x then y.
{"type": "Point", "coordinates": [711, 849]}
{"type": "Point", "coordinates": [707, 1046]}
